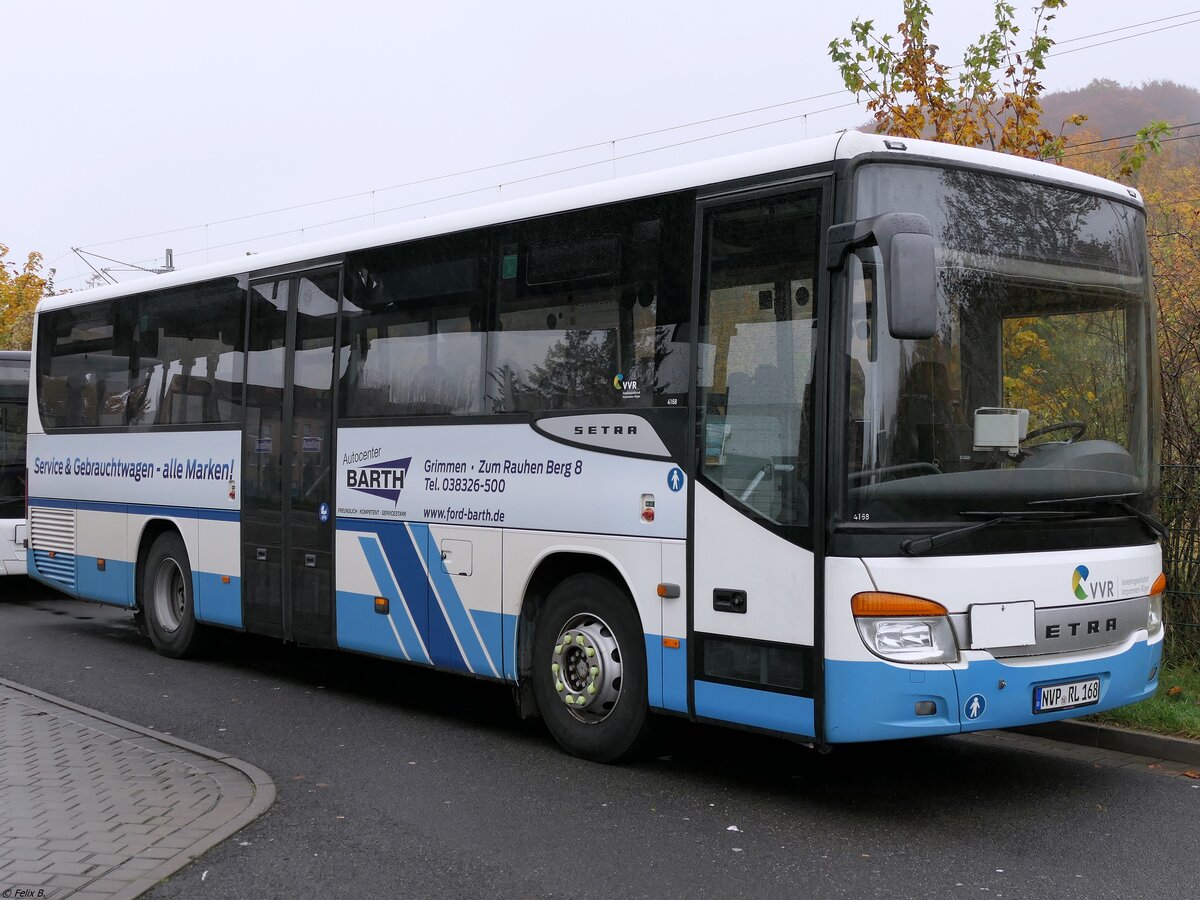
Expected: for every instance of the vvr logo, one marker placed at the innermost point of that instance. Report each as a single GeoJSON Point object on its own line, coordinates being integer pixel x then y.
{"type": "Point", "coordinates": [381, 479]}
{"type": "Point", "coordinates": [1096, 590]}
{"type": "Point", "coordinates": [621, 383]}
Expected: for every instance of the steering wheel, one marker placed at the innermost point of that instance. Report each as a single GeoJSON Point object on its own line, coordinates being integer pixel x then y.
{"type": "Point", "coordinates": [1077, 428]}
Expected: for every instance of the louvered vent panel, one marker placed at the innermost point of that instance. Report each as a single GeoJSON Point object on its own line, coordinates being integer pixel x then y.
{"type": "Point", "coordinates": [52, 529]}
{"type": "Point", "coordinates": [52, 537]}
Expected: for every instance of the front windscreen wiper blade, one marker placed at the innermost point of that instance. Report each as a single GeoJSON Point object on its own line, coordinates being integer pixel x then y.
{"type": "Point", "coordinates": [1096, 498]}
{"type": "Point", "coordinates": [918, 546]}
{"type": "Point", "coordinates": [1121, 501]}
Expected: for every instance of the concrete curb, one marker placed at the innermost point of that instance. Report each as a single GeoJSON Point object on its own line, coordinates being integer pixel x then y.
{"type": "Point", "coordinates": [264, 790]}
{"type": "Point", "coordinates": [1122, 740]}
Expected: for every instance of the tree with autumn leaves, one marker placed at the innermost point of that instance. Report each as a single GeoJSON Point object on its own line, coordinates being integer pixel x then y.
{"type": "Point", "coordinates": [993, 101]}
{"type": "Point", "coordinates": [21, 287]}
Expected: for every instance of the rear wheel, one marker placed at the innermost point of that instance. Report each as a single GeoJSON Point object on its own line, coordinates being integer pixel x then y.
{"type": "Point", "coordinates": [168, 605]}
{"type": "Point", "coordinates": [589, 669]}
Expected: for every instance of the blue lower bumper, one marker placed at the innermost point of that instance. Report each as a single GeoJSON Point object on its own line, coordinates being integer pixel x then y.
{"type": "Point", "coordinates": [875, 701]}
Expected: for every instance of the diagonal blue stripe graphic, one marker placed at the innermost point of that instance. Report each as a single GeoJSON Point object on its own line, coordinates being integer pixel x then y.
{"type": "Point", "coordinates": [408, 564]}
{"type": "Point", "coordinates": [456, 611]}
{"type": "Point", "coordinates": [402, 612]}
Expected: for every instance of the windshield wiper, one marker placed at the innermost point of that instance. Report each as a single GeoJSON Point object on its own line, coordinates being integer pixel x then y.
{"type": "Point", "coordinates": [919, 546]}
{"type": "Point", "coordinates": [1121, 501]}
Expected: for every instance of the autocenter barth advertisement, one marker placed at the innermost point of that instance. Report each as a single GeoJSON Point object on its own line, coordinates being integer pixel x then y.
{"type": "Point", "coordinates": [506, 476]}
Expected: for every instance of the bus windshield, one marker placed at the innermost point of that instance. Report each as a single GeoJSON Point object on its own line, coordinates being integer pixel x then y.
{"type": "Point", "coordinates": [1036, 387]}
{"type": "Point", "coordinates": [14, 394]}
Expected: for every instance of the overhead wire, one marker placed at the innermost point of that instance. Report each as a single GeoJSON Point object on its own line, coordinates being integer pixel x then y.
{"type": "Point", "coordinates": [1169, 140]}
{"type": "Point", "coordinates": [609, 160]}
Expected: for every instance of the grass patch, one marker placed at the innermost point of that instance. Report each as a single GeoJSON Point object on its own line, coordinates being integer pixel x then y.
{"type": "Point", "coordinates": [1174, 709]}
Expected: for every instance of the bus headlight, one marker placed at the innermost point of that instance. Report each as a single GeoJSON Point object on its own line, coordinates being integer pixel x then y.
{"type": "Point", "coordinates": [904, 629]}
{"type": "Point", "coordinates": [1154, 621]}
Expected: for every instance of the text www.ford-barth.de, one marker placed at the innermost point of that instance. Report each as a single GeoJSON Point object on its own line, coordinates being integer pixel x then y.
{"type": "Point", "coordinates": [462, 514]}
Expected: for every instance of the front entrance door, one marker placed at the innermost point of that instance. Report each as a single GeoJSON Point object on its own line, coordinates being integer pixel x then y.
{"type": "Point", "coordinates": [754, 632]}
{"type": "Point", "coordinates": [287, 500]}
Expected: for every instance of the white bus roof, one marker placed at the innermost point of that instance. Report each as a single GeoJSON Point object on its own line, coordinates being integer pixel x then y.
{"type": "Point", "coordinates": [840, 146]}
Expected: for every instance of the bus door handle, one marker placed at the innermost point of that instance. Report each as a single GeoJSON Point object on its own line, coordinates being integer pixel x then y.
{"type": "Point", "coordinates": [310, 560]}
{"type": "Point", "coordinates": [729, 600]}
{"type": "Point", "coordinates": [261, 554]}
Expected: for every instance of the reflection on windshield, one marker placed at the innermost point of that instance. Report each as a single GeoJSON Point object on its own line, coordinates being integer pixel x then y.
{"type": "Point", "coordinates": [1035, 385]}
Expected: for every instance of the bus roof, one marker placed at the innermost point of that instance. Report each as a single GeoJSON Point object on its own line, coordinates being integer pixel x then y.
{"type": "Point", "coordinates": [839, 146]}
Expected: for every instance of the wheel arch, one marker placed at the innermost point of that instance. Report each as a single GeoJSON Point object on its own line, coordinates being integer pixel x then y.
{"type": "Point", "coordinates": [550, 570]}
{"type": "Point", "coordinates": [152, 530]}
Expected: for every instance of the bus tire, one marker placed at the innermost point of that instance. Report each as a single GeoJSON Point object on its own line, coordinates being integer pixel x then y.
{"type": "Point", "coordinates": [589, 669]}
{"type": "Point", "coordinates": [168, 604]}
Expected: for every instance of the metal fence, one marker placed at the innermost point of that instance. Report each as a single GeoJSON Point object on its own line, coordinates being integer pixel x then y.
{"type": "Point", "coordinates": [1179, 506]}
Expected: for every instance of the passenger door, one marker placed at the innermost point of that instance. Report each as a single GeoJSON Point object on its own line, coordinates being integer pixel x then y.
{"type": "Point", "coordinates": [753, 607]}
{"type": "Point", "coordinates": [287, 518]}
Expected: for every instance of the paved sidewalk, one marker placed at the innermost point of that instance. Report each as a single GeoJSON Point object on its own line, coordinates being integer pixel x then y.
{"type": "Point", "coordinates": [92, 807]}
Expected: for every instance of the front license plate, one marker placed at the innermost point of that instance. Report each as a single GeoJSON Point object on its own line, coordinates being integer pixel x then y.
{"type": "Point", "coordinates": [1052, 697]}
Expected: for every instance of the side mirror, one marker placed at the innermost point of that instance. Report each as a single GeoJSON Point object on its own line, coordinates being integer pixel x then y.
{"type": "Point", "coordinates": [905, 242]}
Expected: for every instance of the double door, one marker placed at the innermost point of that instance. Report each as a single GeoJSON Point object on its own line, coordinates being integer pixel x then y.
{"type": "Point", "coordinates": [287, 456]}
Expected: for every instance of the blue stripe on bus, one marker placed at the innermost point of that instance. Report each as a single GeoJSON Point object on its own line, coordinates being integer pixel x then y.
{"type": "Point", "coordinates": [217, 602]}
{"type": "Point", "coordinates": [114, 585]}
{"type": "Point", "coordinates": [408, 554]}
{"type": "Point", "coordinates": [499, 631]}
{"type": "Point", "coordinates": [871, 701]}
{"type": "Point", "coordinates": [762, 709]}
{"type": "Point", "coordinates": [439, 634]}
{"type": "Point", "coordinates": [57, 571]}
{"type": "Point", "coordinates": [408, 565]}
{"type": "Point", "coordinates": [876, 700]}
{"type": "Point", "coordinates": [666, 674]}
{"type": "Point", "coordinates": [456, 611]}
{"type": "Point", "coordinates": [406, 599]}
{"type": "Point", "coordinates": [139, 509]}
{"type": "Point", "coordinates": [654, 670]}
{"type": "Point", "coordinates": [674, 680]}
{"type": "Point", "coordinates": [360, 628]}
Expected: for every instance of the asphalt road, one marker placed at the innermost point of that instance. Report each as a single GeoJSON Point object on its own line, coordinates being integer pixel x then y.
{"type": "Point", "coordinates": [399, 782]}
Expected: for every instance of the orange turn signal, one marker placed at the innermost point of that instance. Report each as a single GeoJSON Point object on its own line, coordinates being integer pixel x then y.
{"type": "Point", "coordinates": [671, 643]}
{"type": "Point", "coordinates": [1160, 584]}
{"type": "Point", "coordinates": [382, 606]}
{"type": "Point", "coordinates": [878, 603]}
{"type": "Point", "coordinates": [224, 579]}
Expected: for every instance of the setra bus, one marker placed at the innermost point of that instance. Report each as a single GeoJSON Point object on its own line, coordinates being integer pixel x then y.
{"type": "Point", "coordinates": [847, 440]}
{"type": "Point", "coordinates": [14, 400]}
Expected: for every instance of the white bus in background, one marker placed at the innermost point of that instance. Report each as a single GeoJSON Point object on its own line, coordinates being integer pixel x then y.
{"type": "Point", "coordinates": [14, 401]}
{"type": "Point", "coordinates": [846, 440]}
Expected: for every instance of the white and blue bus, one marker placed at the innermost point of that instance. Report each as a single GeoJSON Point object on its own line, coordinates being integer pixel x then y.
{"type": "Point", "coordinates": [14, 399]}
{"type": "Point", "coordinates": [847, 440]}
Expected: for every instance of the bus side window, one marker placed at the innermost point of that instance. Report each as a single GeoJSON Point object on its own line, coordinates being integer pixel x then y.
{"type": "Point", "coordinates": [759, 318]}
{"type": "Point", "coordinates": [412, 328]}
{"type": "Point", "coordinates": [589, 309]}
{"type": "Point", "coordinates": [77, 352]}
{"type": "Point", "coordinates": [190, 358]}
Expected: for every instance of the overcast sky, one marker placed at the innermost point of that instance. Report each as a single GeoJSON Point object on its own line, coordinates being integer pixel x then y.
{"type": "Point", "coordinates": [133, 117]}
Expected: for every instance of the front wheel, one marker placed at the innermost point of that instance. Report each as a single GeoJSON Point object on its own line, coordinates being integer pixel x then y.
{"type": "Point", "coordinates": [168, 605]}
{"type": "Point", "coordinates": [589, 669]}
